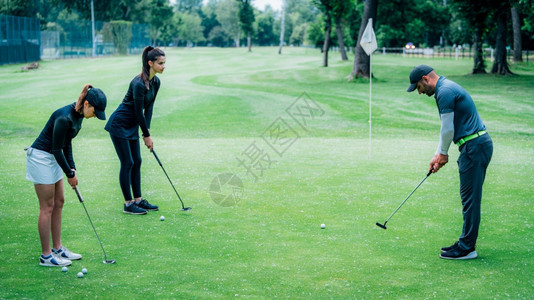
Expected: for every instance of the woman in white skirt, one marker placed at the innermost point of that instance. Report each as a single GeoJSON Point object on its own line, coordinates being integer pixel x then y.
{"type": "Point", "coordinates": [48, 158]}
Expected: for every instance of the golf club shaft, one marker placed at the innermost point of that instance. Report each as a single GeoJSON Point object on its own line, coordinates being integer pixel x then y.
{"type": "Point", "coordinates": [429, 172]}
{"type": "Point", "coordinates": [161, 165]}
{"type": "Point", "coordinates": [94, 229]}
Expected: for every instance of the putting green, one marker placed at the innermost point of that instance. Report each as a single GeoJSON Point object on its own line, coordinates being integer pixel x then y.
{"type": "Point", "coordinates": [226, 111]}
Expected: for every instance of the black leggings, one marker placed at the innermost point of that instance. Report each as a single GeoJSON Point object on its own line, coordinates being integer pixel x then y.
{"type": "Point", "coordinates": [130, 174]}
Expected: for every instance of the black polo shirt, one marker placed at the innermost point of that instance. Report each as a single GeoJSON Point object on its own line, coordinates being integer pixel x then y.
{"type": "Point", "coordinates": [56, 137]}
{"type": "Point", "coordinates": [135, 110]}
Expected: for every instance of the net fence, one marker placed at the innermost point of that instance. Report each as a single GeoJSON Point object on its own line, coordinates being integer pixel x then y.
{"type": "Point", "coordinates": [22, 40]}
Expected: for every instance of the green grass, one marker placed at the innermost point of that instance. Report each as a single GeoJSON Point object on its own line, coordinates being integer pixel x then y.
{"type": "Point", "coordinates": [213, 104]}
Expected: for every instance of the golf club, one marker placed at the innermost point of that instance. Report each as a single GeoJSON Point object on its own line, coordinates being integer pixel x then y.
{"type": "Point", "coordinates": [383, 226]}
{"type": "Point", "coordinates": [106, 260]}
{"type": "Point", "coordinates": [159, 162]}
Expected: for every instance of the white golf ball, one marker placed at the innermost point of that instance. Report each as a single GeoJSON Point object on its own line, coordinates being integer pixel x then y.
{"type": "Point", "coordinates": [162, 218]}
{"type": "Point", "coordinates": [84, 271]}
{"type": "Point", "coordinates": [323, 226]}
{"type": "Point", "coordinates": [80, 274]}
{"type": "Point", "coordinates": [64, 269]}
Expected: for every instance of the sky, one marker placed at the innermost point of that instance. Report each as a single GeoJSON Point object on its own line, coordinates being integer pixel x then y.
{"type": "Point", "coordinates": [260, 4]}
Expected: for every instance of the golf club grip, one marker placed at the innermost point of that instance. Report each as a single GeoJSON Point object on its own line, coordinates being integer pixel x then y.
{"type": "Point", "coordinates": [78, 194]}
{"type": "Point", "coordinates": [430, 172]}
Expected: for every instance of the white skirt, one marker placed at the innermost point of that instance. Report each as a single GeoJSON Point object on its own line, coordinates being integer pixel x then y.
{"type": "Point", "coordinates": [42, 167]}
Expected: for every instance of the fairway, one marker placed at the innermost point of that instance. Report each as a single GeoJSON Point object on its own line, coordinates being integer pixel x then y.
{"type": "Point", "coordinates": [294, 138]}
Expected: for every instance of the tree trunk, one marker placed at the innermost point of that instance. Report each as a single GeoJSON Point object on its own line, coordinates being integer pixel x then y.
{"type": "Point", "coordinates": [282, 28]}
{"type": "Point", "coordinates": [340, 41]}
{"type": "Point", "coordinates": [249, 43]}
{"type": "Point", "coordinates": [480, 66]}
{"type": "Point", "coordinates": [362, 61]}
{"type": "Point", "coordinates": [326, 45]}
{"type": "Point", "coordinates": [238, 38]}
{"type": "Point", "coordinates": [126, 13]}
{"type": "Point", "coordinates": [516, 24]}
{"type": "Point", "coordinates": [500, 64]}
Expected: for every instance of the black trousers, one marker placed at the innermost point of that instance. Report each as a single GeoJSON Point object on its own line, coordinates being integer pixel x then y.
{"type": "Point", "coordinates": [130, 173]}
{"type": "Point", "coordinates": [474, 159]}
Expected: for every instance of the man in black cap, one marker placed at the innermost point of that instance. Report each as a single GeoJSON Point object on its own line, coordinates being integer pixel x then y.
{"type": "Point", "coordinates": [461, 124]}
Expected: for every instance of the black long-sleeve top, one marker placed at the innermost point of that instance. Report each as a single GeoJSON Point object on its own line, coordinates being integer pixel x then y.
{"type": "Point", "coordinates": [56, 137]}
{"type": "Point", "coordinates": [135, 110]}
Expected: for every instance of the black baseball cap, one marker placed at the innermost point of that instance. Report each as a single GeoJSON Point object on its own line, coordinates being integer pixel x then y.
{"type": "Point", "coordinates": [98, 100]}
{"type": "Point", "coordinates": [416, 74]}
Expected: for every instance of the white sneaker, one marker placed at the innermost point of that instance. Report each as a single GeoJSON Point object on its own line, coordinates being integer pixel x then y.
{"type": "Point", "coordinates": [67, 254]}
{"type": "Point", "coordinates": [53, 260]}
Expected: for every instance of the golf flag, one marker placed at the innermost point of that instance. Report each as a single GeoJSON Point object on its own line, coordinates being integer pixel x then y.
{"type": "Point", "coordinates": [368, 41]}
{"type": "Point", "coordinates": [369, 45]}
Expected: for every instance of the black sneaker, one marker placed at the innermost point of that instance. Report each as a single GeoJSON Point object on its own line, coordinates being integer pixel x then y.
{"type": "Point", "coordinates": [458, 253]}
{"type": "Point", "coordinates": [133, 209]}
{"type": "Point", "coordinates": [145, 205]}
{"type": "Point", "coordinates": [445, 249]}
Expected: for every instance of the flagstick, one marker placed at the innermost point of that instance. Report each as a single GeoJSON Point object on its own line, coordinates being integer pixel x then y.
{"type": "Point", "coordinates": [370, 100]}
{"type": "Point", "coordinates": [368, 43]}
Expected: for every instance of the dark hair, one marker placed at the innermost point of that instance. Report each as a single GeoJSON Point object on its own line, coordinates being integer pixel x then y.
{"type": "Point", "coordinates": [83, 96]}
{"type": "Point", "coordinates": [149, 54]}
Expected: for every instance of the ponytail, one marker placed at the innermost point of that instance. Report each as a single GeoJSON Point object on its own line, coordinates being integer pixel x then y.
{"type": "Point", "coordinates": [149, 54]}
{"type": "Point", "coordinates": [83, 96]}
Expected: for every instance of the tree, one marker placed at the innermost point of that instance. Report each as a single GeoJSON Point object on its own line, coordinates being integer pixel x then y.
{"type": "Point", "coordinates": [500, 64]}
{"type": "Point", "coordinates": [246, 18]}
{"type": "Point", "coordinates": [265, 35]}
{"type": "Point", "coordinates": [140, 11]}
{"type": "Point", "coordinates": [305, 8]}
{"type": "Point", "coordinates": [160, 14]}
{"type": "Point", "coordinates": [190, 29]}
{"type": "Point", "coordinates": [188, 6]}
{"type": "Point", "coordinates": [282, 26]}
{"type": "Point", "coordinates": [298, 12]}
{"type": "Point", "coordinates": [209, 19]}
{"type": "Point", "coordinates": [217, 36]}
{"type": "Point", "coordinates": [516, 26]}
{"type": "Point", "coordinates": [227, 12]}
{"type": "Point", "coordinates": [327, 7]}
{"type": "Point", "coordinates": [353, 21]}
{"type": "Point", "coordinates": [298, 35]}
{"type": "Point", "coordinates": [424, 23]}
{"type": "Point", "coordinates": [476, 13]}
{"type": "Point", "coordinates": [120, 32]}
{"type": "Point", "coordinates": [316, 32]}
{"type": "Point", "coordinates": [528, 20]}
{"type": "Point", "coordinates": [340, 9]}
{"type": "Point", "coordinates": [170, 34]}
{"type": "Point", "coordinates": [294, 25]}
{"type": "Point", "coordinates": [362, 63]}
{"type": "Point", "coordinates": [20, 8]}
{"type": "Point", "coordinates": [155, 12]}
{"type": "Point", "coordinates": [459, 33]}
{"type": "Point", "coordinates": [104, 10]}
{"type": "Point", "coordinates": [43, 10]}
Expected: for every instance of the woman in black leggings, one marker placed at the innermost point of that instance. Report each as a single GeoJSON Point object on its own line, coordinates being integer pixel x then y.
{"type": "Point", "coordinates": [133, 113]}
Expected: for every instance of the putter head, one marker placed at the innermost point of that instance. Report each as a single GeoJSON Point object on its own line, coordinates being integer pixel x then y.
{"type": "Point", "coordinates": [108, 261]}
{"type": "Point", "coordinates": [381, 226]}
{"type": "Point", "coordinates": [186, 208]}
